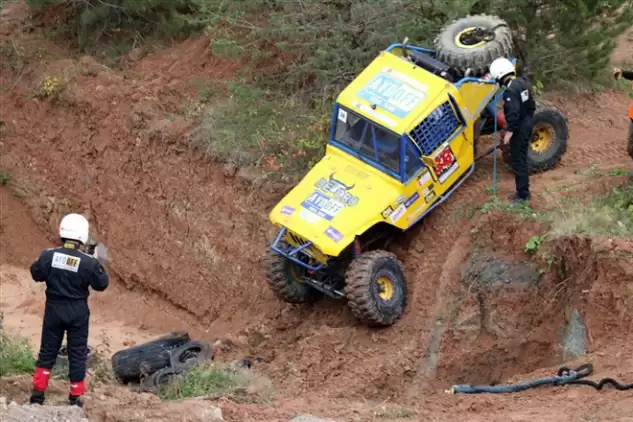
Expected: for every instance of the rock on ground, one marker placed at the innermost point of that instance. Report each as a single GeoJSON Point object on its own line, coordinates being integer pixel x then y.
{"type": "Point", "coordinates": [489, 271]}
{"type": "Point", "coordinates": [308, 418]}
{"type": "Point", "coordinates": [575, 337]}
{"type": "Point", "coordinates": [35, 413]}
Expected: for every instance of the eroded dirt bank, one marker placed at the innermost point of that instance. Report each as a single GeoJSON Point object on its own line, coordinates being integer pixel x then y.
{"type": "Point", "coordinates": [183, 228]}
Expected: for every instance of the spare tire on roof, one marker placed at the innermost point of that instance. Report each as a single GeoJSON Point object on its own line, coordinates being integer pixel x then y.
{"type": "Point", "coordinates": [457, 47]}
{"type": "Point", "coordinates": [147, 358]}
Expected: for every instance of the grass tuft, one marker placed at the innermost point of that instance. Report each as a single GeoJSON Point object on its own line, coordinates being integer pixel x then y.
{"type": "Point", "coordinates": [214, 381]}
{"type": "Point", "coordinates": [607, 215]}
{"type": "Point", "coordinates": [16, 357]}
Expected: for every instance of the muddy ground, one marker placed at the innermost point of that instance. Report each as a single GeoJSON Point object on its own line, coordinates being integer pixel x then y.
{"type": "Point", "coordinates": [187, 237]}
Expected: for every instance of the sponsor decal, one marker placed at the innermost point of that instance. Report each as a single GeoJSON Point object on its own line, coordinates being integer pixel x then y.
{"type": "Point", "coordinates": [333, 234]}
{"type": "Point", "coordinates": [398, 213]}
{"type": "Point", "coordinates": [338, 190]}
{"type": "Point", "coordinates": [286, 210]}
{"type": "Point", "coordinates": [412, 199]}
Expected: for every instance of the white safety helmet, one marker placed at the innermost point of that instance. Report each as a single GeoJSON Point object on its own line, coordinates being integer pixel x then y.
{"type": "Point", "coordinates": [501, 67]}
{"type": "Point", "coordinates": [74, 227]}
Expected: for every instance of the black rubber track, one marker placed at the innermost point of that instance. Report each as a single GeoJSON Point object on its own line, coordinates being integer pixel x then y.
{"type": "Point", "coordinates": [362, 291]}
{"type": "Point", "coordinates": [282, 283]}
{"type": "Point", "coordinates": [146, 358]}
{"type": "Point", "coordinates": [479, 58]}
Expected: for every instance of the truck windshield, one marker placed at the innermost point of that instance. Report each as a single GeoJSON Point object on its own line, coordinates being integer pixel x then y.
{"type": "Point", "coordinates": [375, 144]}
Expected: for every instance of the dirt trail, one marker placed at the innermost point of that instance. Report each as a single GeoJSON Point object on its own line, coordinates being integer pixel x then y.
{"type": "Point", "coordinates": [183, 229]}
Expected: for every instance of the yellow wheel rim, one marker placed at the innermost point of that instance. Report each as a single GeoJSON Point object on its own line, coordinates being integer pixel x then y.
{"type": "Point", "coordinates": [296, 272]}
{"type": "Point", "coordinates": [464, 33]}
{"type": "Point", "coordinates": [542, 138]}
{"type": "Point", "coordinates": [386, 288]}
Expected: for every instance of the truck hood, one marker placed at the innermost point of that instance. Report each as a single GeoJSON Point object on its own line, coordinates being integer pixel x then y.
{"type": "Point", "coordinates": [339, 198]}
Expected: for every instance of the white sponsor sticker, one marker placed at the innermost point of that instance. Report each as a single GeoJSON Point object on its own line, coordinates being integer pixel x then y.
{"type": "Point", "coordinates": [65, 262]}
{"type": "Point", "coordinates": [448, 172]}
{"type": "Point", "coordinates": [308, 216]}
{"type": "Point", "coordinates": [342, 115]}
{"type": "Point", "coordinates": [424, 179]}
{"type": "Point", "coordinates": [398, 213]}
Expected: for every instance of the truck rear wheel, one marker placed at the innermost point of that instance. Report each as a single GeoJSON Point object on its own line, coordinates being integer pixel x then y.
{"type": "Point", "coordinates": [376, 288]}
{"type": "Point", "coordinates": [456, 46]}
{"type": "Point", "coordinates": [548, 143]}
{"type": "Point", "coordinates": [285, 279]}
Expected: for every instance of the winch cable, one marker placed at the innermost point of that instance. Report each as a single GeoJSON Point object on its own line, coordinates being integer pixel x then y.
{"type": "Point", "coordinates": [494, 159]}
{"type": "Point", "coordinates": [564, 376]}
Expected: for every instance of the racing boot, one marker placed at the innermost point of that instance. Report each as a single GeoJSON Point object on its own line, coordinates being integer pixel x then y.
{"type": "Point", "coordinates": [76, 391]}
{"type": "Point", "coordinates": [75, 401]}
{"type": "Point", "coordinates": [516, 200]}
{"type": "Point", "coordinates": [40, 384]}
{"type": "Point", "coordinates": [37, 397]}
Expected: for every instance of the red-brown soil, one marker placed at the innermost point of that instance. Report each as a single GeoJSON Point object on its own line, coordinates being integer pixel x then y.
{"type": "Point", "coordinates": [187, 237]}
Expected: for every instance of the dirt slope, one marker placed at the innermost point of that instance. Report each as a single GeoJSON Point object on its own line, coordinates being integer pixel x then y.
{"type": "Point", "coordinates": [609, 352]}
{"type": "Point", "coordinates": [182, 228]}
{"type": "Point", "coordinates": [113, 327]}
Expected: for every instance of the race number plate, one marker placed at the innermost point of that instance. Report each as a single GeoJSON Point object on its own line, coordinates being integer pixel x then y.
{"type": "Point", "coordinates": [445, 164]}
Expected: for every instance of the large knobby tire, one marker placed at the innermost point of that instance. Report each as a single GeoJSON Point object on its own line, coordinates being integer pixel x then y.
{"type": "Point", "coordinates": [285, 279]}
{"type": "Point", "coordinates": [191, 354]}
{"type": "Point", "coordinates": [549, 140]}
{"type": "Point", "coordinates": [477, 57]}
{"type": "Point", "coordinates": [130, 364]}
{"type": "Point", "coordinates": [376, 288]}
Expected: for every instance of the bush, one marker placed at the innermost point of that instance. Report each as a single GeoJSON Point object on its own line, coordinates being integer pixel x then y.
{"type": "Point", "coordinates": [252, 126]}
{"type": "Point", "coordinates": [16, 357]}
{"type": "Point", "coordinates": [90, 22]}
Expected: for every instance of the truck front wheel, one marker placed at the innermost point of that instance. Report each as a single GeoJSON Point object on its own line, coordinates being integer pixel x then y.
{"type": "Point", "coordinates": [376, 288]}
{"type": "Point", "coordinates": [285, 279]}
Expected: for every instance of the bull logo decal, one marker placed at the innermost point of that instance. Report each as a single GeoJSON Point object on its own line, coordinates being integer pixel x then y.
{"type": "Point", "coordinates": [337, 190]}
{"type": "Point", "coordinates": [333, 180]}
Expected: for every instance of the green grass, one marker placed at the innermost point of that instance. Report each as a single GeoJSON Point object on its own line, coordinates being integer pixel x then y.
{"type": "Point", "coordinates": [247, 126]}
{"type": "Point", "coordinates": [214, 381]}
{"type": "Point", "coordinates": [16, 357]}
{"type": "Point", "coordinates": [5, 179]}
{"type": "Point", "coordinates": [607, 215]}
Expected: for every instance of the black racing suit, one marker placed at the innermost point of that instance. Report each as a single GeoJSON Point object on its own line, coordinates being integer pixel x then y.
{"type": "Point", "coordinates": [519, 107]}
{"type": "Point", "coordinates": [68, 273]}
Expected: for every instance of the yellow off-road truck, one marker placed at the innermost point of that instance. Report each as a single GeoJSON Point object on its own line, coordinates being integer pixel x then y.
{"type": "Point", "coordinates": [402, 140]}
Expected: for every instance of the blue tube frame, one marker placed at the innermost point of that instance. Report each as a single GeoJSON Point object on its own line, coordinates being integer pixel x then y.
{"type": "Point", "coordinates": [292, 252]}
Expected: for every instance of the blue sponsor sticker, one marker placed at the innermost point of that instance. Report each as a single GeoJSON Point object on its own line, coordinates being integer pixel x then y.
{"type": "Point", "coordinates": [411, 200]}
{"type": "Point", "coordinates": [333, 234]}
{"type": "Point", "coordinates": [392, 95]}
{"type": "Point", "coordinates": [322, 205]}
{"type": "Point", "coordinates": [286, 210]}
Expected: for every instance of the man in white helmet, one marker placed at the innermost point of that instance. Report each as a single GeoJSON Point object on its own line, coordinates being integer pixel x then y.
{"type": "Point", "coordinates": [518, 109]}
{"type": "Point", "coordinates": [68, 273]}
